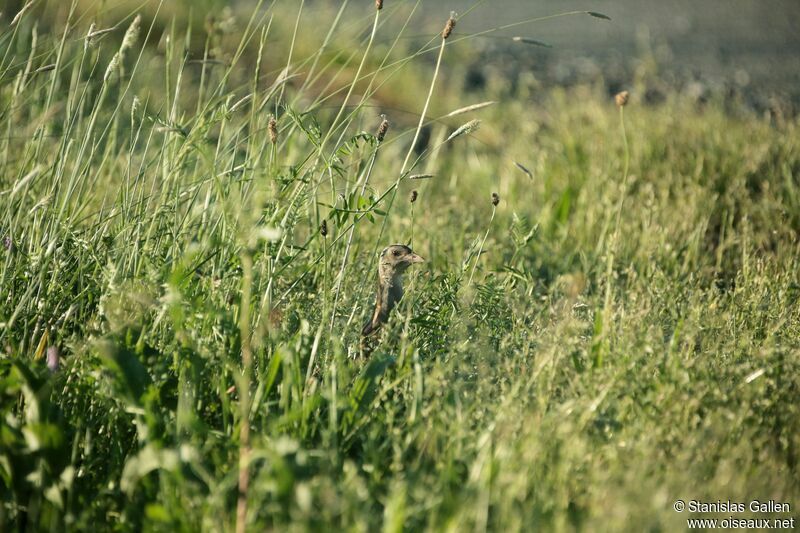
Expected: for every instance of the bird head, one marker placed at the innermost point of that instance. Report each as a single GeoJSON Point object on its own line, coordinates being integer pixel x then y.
{"type": "Point", "coordinates": [395, 259]}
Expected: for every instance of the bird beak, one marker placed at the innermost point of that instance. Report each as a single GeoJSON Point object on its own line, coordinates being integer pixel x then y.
{"type": "Point", "coordinates": [416, 259]}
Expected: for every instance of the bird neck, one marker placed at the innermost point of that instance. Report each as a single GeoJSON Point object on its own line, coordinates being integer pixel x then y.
{"type": "Point", "coordinates": [390, 288]}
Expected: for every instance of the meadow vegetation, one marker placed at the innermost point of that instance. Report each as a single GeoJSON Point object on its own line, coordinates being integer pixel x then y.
{"type": "Point", "coordinates": [179, 335]}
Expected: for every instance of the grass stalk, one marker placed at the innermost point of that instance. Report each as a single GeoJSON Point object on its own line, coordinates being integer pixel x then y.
{"type": "Point", "coordinates": [244, 394]}
{"type": "Point", "coordinates": [480, 248]}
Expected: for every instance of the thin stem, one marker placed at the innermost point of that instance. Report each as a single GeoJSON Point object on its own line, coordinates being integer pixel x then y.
{"type": "Point", "coordinates": [356, 78]}
{"type": "Point", "coordinates": [424, 110]}
{"type": "Point", "coordinates": [403, 170]}
{"type": "Point", "coordinates": [340, 275]}
{"type": "Point", "coordinates": [411, 240]}
{"type": "Point", "coordinates": [244, 394]}
{"type": "Point", "coordinates": [291, 51]}
{"type": "Point", "coordinates": [614, 242]}
{"type": "Point", "coordinates": [480, 249]}
{"type": "Point", "coordinates": [626, 165]}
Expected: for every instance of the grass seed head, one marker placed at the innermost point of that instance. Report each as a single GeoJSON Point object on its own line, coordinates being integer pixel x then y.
{"type": "Point", "coordinates": [495, 199]}
{"type": "Point", "coordinates": [378, 4]}
{"type": "Point", "coordinates": [524, 169]}
{"type": "Point", "coordinates": [383, 128]}
{"type": "Point", "coordinates": [414, 195]}
{"type": "Point", "coordinates": [464, 129]}
{"type": "Point", "coordinates": [112, 66]}
{"type": "Point", "coordinates": [448, 27]}
{"type": "Point", "coordinates": [323, 228]}
{"type": "Point", "coordinates": [597, 15]}
{"type": "Point", "coordinates": [272, 127]}
{"type": "Point", "coordinates": [132, 34]}
{"type": "Point", "coordinates": [21, 12]}
{"type": "Point", "coordinates": [621, 98]}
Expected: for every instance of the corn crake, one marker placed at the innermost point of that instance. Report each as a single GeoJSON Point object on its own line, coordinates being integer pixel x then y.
{"type": "Point", "coordinates": [394, 261]}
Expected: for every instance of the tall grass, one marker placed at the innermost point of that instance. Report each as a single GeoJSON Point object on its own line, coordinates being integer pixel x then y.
{"type": "Point", "coordinates": [162, 197]}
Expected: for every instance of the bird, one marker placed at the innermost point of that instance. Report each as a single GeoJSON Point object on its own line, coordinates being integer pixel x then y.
{"type": "Point", "coordinates": [392, 264]}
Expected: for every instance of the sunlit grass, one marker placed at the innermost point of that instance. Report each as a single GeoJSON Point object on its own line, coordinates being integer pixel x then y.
{"type": "Point", "coordinates": [618, 329]}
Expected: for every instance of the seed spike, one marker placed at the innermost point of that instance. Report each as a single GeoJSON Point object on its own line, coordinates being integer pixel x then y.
{"type": "Point", "coordinates": [524, 169]}
{"type": "Point", "coordinates": [272, 128]}
{"type": "Point", "coordinates": [383, 128]}
{"type": "Point", "coordinates": [467, 109]}
{"type": "Point", "coordinates": [22, 12]}
{"type": "Point", "coordinates": [469, 127]}
{"type": "Point", "coordinates": [448, 27]}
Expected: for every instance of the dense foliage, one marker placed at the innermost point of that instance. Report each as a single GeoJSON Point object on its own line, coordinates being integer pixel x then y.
{"type": "Point", "coordinates": [620, 331]}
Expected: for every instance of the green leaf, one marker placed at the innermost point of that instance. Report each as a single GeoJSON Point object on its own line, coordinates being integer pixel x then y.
{"type": "Point", "coordinates": [129, 374]}
{"type": "Point", "coordinates": [364, 391]}
{"type": "Point", "coordinates": [146, 461]}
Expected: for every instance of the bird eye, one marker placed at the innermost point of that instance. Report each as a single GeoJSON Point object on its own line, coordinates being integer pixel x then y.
{"type": "Point", "coordinates": [396, 253]}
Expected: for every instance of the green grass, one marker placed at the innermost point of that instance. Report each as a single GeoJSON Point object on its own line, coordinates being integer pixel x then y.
{"type": "Point", "coordinates": [621, 331]}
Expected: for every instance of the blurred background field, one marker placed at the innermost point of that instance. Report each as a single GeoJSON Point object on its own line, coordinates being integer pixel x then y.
{"type": "Point", "coordinates": [620, 331]}
{"type": "Point", "coordinates": [735, 45]}
{"type": "Point", "coordinates": [717, 46]}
